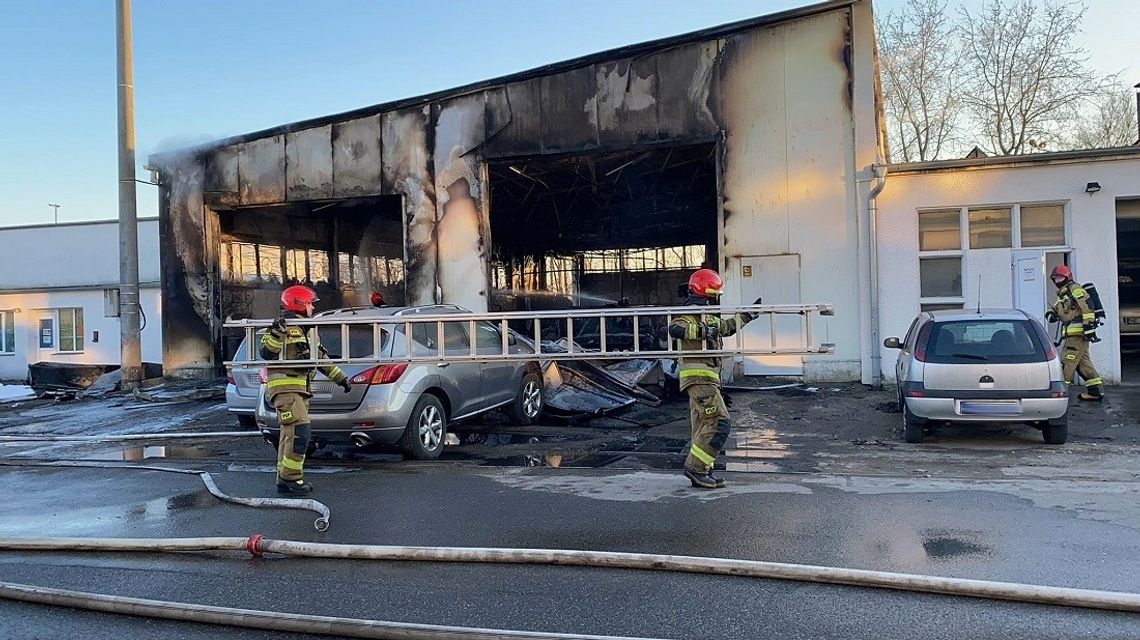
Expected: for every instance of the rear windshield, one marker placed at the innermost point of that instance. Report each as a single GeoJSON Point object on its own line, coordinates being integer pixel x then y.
{"type": "Point", "coordinates": [359, 340]}
{"type": "Point", "coordinates": [991, 341]}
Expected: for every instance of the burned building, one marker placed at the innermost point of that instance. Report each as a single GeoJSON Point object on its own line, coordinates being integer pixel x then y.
{"type": "Point", "coordinates": [598, 181]}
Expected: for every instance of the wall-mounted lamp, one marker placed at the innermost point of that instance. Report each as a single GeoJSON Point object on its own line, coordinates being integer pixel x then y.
{"type": "Point", "coordinates": [1092, 187]}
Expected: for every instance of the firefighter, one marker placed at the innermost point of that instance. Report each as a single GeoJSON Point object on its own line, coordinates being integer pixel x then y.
{"type": "Point", "coordinates": [1078, 329]}
{"type": "Point", "coordinates": [288, 389]}
{"type": "Point", "coordinates": [700, 376]}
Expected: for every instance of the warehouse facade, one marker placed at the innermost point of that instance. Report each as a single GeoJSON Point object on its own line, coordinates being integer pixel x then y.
{"type": "Point", "coordinates": [598, 181]}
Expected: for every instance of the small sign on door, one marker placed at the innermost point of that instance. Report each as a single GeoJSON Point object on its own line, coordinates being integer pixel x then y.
{"type": "Point", "coordinates": [747, 269]}
{"type": "Point", "coordinates": [1029, 274]}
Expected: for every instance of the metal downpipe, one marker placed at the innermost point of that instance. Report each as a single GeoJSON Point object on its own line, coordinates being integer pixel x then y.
{"type": "Point", "coordinates": [880, 172]}
{"type": "Point", "coordinates": [1025, 593]}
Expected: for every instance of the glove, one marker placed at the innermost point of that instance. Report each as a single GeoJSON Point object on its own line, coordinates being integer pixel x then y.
{"type": "Point", "coordinates": [346, 385]}
{"type": "Point", "coordinates": [711, 332]}
{"type": "Point", "coordinates": [1051, 316]}
{"type": "Point", "coordinates": [278, 327]}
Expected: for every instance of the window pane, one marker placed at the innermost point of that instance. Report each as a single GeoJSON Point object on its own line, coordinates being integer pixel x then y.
{"type": "Point", "coordinates": [455, 339]}
{"type": "Point", "coordinates": [318, 266]}
{"type": "Point", "coordinates": [66, 330]}
{"type": "Point", "coordinates": [78, 329]}
{"type": "Point", "coordinates": [939, 230]}
{"type": "Point", "coordinates": [990, 228]}
{"type": "Point", "coordinates": [1043, 226]}
{"type": "Point", "coordinates": [940, 277]}
{"type": "Point", "coordinates": [269, 261]}
{"type": "Point", "coordinates": [9, 331]}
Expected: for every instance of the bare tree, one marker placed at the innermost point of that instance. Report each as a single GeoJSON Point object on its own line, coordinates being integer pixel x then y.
{"type": "Point", "coordinates": [1110, 122]}
{"type": "Point", "coordinates": [918, 60]}
{"type": "Point", "coordinates": [1027, 78]}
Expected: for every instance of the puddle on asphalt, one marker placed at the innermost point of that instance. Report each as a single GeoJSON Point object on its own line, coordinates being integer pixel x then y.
{"type": "Point", "coordinates": [139, 454]}
{"type": "Point", "coordinates": [750, 450]}
{"type": "Point", "coordinates": [946, 545]}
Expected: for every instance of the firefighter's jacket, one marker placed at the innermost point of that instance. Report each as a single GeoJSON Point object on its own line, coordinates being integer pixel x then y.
{"type": "Point", "coordinates": [690, 332]}
{"type": "Point", "coordinates": [297, 346]}
{"type": "Point", "coordinates": [1072, 309]}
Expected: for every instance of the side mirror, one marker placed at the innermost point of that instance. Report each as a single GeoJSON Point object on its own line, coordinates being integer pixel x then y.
{"type": "Point", "coordinates": [892, 343]}
{"type": "Point", "coordinates": [511, 340]}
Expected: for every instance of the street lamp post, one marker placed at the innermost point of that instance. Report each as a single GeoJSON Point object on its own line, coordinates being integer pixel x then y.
{"type": "Point", "coordinates": [56, 207]}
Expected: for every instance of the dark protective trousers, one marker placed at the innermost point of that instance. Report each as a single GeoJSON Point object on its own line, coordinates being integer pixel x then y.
{"type": "Point", "coordinates": [710, 426]}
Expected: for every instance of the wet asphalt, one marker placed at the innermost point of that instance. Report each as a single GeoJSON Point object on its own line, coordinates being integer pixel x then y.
{"type": "Point", "coordinates": [994, 506]}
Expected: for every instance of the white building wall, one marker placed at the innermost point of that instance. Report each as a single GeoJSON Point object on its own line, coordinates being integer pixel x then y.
{"type": "Point", "coordinates": [51, 267]}
{"type": "Point", "coordinates": [797, 135]}
{"type": "Point", "coordinates": [987, 273]}
{"type": "Point", "coordinates": [29, 307]}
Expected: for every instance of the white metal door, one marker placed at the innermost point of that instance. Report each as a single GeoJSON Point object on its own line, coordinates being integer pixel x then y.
{"type": "Point", "coordinates": [1029, 280]}
{"type": "Point", "coordinates": [46, 335]}
{"type": "Point", "coordinates": [775, 279]}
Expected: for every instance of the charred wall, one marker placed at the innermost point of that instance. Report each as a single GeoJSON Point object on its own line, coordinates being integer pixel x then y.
{"type": "Point", "coordinates": [775, 98]}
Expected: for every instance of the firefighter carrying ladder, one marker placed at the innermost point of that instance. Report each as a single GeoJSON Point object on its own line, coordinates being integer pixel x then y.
{"type": "Point", "coordinates": [399, 325]}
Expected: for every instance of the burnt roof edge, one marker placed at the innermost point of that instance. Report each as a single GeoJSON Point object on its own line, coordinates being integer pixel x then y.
{"type": "Point", "coordinates": [536, 72]}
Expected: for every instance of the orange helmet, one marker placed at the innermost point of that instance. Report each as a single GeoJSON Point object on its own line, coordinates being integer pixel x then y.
{"type": "Point", "coordinates": [706, 283]}
{"type": "Point", "coordinates": [1061, 271]}
{"type": "Point", "coordinates": [295, 298]}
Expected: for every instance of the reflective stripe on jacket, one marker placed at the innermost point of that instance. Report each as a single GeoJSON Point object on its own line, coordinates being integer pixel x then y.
{"type": "Point", "coordinates": [296, 346]}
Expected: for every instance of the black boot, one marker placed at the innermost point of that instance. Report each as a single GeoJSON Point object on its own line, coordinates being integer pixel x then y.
{"type": "Point", "coordinates": [701, 480]}
{"type": "Point", "coordinates": [720, 482]}
{"type": "Point", "coordinates": [1092, 394]}
{"type": "Point", "coordinates": [295, 487]}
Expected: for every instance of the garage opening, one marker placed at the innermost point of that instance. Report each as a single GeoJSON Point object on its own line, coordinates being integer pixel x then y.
{"type": "Point", "coordinates": [1128, 278]}
{"type": "Point", "coordinates": [601, 230]}
{"type": "Point", "coordinates": [345, 250]}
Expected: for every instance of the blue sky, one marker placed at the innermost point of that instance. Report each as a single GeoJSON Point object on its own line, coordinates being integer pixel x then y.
{"type": "Point", "coordinates": [206, 69]}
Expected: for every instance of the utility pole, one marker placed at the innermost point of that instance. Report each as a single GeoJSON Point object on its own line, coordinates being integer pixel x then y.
{"type": "Point", "coordinates": [128, 220]}
{"type": "Point", "coordinates": [56, 207]}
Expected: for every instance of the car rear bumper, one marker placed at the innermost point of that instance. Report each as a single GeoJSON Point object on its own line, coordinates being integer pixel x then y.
{"type": "Point", "coordinates": [239, 404]}
{"type": "Point", "coordinates": [381, 417]}
{"type": "Point", "coordinates": [967, 409]}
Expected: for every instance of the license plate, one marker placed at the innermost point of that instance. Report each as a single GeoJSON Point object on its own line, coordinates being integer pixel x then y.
{"type": "Point", "coordinates": [990, 408]}
{"type": "Point", "coordinates": [1132, 320]}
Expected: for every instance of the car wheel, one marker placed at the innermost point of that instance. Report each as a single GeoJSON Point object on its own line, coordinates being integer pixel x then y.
{"type": "Point", "coordinates": [427, 427]}
{"type": "Point", "coordinates": [912, 425]}
{"type": "Point", "coordinates": [529, 401]}
{"type": "Point", "coordinates": [247, 422]}
{"type": "Point", "coordinates": [1056, 431]}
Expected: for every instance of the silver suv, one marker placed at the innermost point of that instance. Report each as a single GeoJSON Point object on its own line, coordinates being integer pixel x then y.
{"type": "Point", "coordinates": [986, 366]}
{"type": "Point", "coordinates": [413, 404]}
{"type": "Point", "coordinates": [242, 386]}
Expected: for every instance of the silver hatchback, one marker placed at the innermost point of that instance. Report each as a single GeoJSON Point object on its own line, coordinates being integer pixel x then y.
{"type": "Point", "coordinates": [994, 365]}
{"type": "Point", "coordinates": [413, 404]}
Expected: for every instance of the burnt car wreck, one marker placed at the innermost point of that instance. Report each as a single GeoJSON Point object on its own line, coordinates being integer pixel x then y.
{"type": "Point", "coordinates": [601, 181]}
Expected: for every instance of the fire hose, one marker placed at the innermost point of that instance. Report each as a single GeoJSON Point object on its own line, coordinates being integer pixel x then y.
{"type": "Point", "coordinates": [258, 545]}
{"type": "Point", "coordinates": [304, 504]}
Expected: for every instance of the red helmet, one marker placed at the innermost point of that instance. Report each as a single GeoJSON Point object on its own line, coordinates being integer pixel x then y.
{"type": "Point", "coordinates": [295, 298]}
{"type": "Point", "coordinates": [706, 283]}
{"type": "Point", "coordinates": [377, 299]}
{"type": "Point", "coordinates": [1061, 271]}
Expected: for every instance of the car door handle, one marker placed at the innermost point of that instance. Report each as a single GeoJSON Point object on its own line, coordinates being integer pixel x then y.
{"type": "Point", "coordinates": [443, 364]}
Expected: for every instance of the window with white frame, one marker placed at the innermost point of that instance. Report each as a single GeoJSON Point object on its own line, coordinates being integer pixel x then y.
{"type": "Point", "coordinates": [70, 329]}
{"type": "Point", "coordinates": [945, 236]}
{"type": "Point", "coordinates": [7, 332]}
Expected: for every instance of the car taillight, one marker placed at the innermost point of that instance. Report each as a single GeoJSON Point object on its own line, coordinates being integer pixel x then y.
{"type": "Point", "coordinates": [263, 376]}
{"type": "Point", "coordinates": [1050, 351]}
{"type": "Point", "coordinates": [382, 374]}
{"type": "Point", "coordinates": [920, 342]}
{"type": "Point", "coordinates": [230, 377]}
{"type": "Point", "coordinates": [1059, 389]}
{"type": "Point", "coordinates": [913, 390]}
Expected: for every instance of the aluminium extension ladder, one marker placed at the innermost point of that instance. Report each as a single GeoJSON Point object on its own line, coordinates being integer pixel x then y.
{"type": "Point", "coordinates": [643, 322]}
